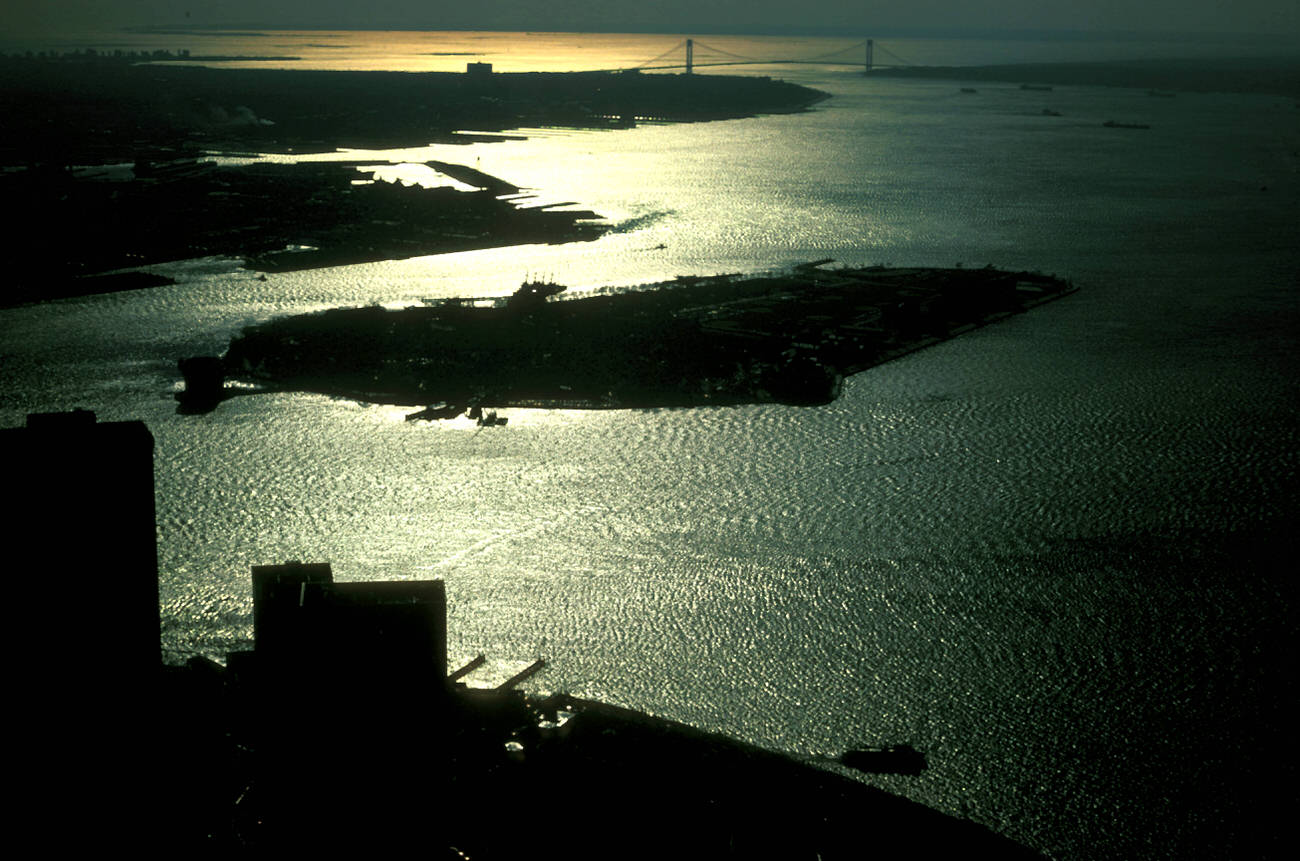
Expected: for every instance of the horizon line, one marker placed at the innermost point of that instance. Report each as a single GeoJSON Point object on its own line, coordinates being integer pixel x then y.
{"type": "Point", "coordinates": [824, 31]}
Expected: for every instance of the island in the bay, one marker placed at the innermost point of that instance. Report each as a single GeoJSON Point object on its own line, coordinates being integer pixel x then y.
{"type": "Point", "coordinates": [784, 337]}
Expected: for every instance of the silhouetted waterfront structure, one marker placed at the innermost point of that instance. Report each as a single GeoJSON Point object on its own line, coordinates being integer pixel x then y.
{"type": "Point", "coordinates": [83, 615]}
{"type": "Point", "coordinates": [80, 510]}
{"type": "Point", "coordinates": [384, 637]}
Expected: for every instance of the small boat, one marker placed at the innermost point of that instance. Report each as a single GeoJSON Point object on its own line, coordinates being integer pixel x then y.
{"type": "Point", "coordinates": [896, 759]}
{"type": "Point", "coordinates": [1111, 124]}
{"type": "Point", "coordinates": [491, 419]}
{"type": "Point", "coordinates": [969, 90]}
{"type": "Point", "coordinates": [1035, 87]}
{"type": "Point", "coordinates": [437, 411]}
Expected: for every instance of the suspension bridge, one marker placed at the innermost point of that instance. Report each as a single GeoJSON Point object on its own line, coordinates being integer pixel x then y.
{"type": "Point", "coordinates": [695, 54]}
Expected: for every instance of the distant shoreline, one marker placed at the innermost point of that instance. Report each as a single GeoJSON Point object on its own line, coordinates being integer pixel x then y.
{"type": "Point", "coordinates": [87, 108]}
{"type": "Point", "coordinates": [1273, 76]}
{"type": "Point", "coordinates": [167, 122]}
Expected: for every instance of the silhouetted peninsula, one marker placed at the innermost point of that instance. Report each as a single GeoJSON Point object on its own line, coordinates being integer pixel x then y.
{"type": "Point", "coordinates": [110, 161]}
{"type": "Point", "coordinates": [100, 109]}
{"type": "Point", "coordinates": [277, 217]}
{"type": "Point", "coordinates": [788, 338]}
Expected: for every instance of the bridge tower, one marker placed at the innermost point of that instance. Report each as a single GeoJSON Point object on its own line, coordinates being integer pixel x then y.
{"type": "Point", "coordinates": [690, 55]}
{"type": "Point", "coordinates": [870, 47]}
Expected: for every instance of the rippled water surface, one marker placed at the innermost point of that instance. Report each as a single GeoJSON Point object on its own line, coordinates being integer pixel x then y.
{"type": "Point", "coordinates": [1039, 552]}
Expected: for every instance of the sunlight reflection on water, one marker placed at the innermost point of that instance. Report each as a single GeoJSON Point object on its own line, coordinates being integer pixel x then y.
{"type": "Point", "coordinates": [989, 549]}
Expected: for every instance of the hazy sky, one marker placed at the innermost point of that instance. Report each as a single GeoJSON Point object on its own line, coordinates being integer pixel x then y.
{"type": "Point", "coordinates": [856, 17]}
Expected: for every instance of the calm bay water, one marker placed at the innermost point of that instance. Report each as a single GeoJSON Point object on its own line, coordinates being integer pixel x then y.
{"type": "Point", "coordinates": [1039, 552]}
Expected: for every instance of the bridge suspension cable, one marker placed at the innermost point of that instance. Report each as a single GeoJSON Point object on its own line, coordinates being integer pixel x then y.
{"type": "Point", "coordinates": [892, 55]}
{"type": "Point", "coordinates": [742, 59]}
{"type": "Point", "coordinates": [674, 49]}
{"type": "Point", "coordinates": [857, 47]}
{"type": "Point", "coordinates": [727, 53]}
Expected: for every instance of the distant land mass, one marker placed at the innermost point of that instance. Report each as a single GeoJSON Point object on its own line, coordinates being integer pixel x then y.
{"type": "Point", "coordinates": [783, 337]}
{"type": "Point", "coordinates": [277, 217]}
{"type": "Point", "coordinates": [95, 109]}
{"type": "Point", "coordinates": [154, 193]}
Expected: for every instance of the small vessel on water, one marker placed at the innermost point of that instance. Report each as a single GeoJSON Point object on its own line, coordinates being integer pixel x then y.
{"type": "Point", "coordinates": [1112, 124]}
{"type": "Point", "coordinates": [437, 411]}
{"type": "Point", "coordinates": [895, 759]}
